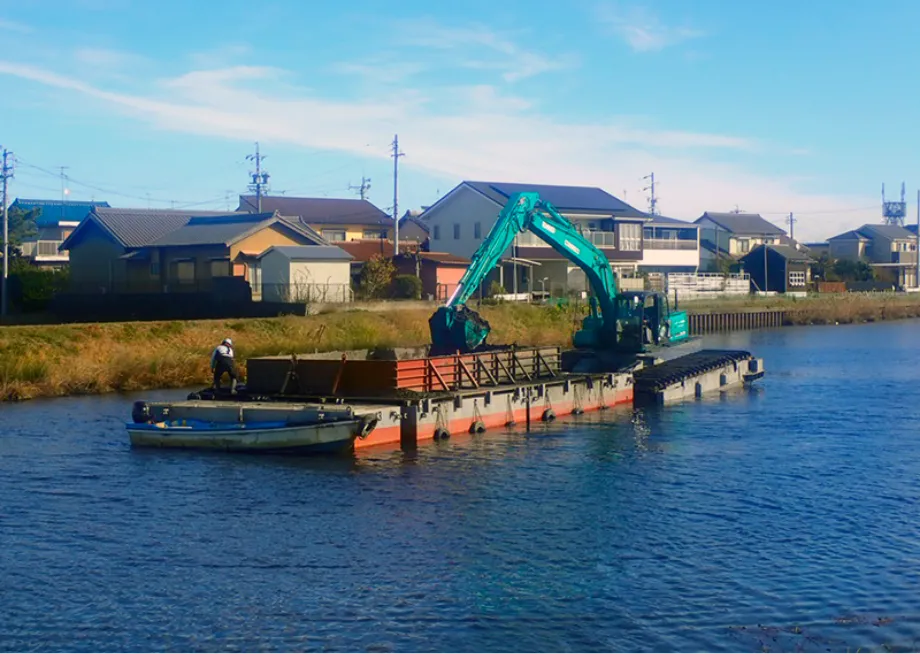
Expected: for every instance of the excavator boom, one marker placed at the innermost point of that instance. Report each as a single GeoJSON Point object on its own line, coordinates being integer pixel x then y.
{"type": "Point", "coordinates": [454, 327]}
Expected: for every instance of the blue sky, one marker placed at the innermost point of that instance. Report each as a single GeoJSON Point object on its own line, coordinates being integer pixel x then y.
{"type": "Point", "coordinates": [774, 107]}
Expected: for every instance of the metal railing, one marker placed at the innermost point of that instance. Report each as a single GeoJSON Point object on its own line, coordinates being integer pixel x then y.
{"type": "Point", "coordinates": [599, 239]}
{"type": "Point", "coordinates": [42, 249]}
{"type": "Point", "coordinates": [669, 244]}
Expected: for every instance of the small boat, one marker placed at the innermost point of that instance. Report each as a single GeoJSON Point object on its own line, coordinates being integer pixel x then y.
{"type": "Point", "coordinates": [249, 427]}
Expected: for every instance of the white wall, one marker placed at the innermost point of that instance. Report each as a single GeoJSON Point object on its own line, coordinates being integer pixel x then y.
{"type": "Point", "coordinates": [284, 280]}
{"type": "Point", "coordinates": [682, 258]}
{"type": "Point", "coordinates": [462, 206]}
{"type": "Point", "coordinates": [275, 276]}
{"type": "Point", "coordinates": [320, 281]}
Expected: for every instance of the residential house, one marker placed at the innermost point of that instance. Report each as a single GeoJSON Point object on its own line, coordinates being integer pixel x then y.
{"type": "Point", "coordinates": [460, 220]}
{"type": "Point", "coordinates": [730, 236]}
{"type": "Point", "coordinates": [336, 219]}
{"type": "Point", "coordinates": [817, 248]}
{"type": "Point", "coordinates": [890, 248]}
{"type": "Point", "coordinates": [669, 245]}
{"type": "Point", "coordinates": [440, 272]}
{"type": "Point", "coordinates": [305, 273]}
{"type": "Point", "coordinates": [412, 229]}
{"type": "Point", "coordinates": [364, 250]}
{"type": "Point", "coordinates": [778, 268]}
{"type": "Point", "coordinates": [158, 251]}
{"type": "Point", "coordinates": [54, 222]}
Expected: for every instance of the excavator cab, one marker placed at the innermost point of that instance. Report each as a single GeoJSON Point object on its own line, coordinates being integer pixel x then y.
{"type": "Point", "coordinates": [644, 321]}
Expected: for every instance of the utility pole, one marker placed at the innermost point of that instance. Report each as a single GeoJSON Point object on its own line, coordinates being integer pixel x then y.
{"type": "Point", "coordinates": [652, 201]}
{"type": "Point", "coordinates": [396, 155]}
{"type": "Point", "coordinates": [259, 177]}
{"type": "Point", "coordinates": [6, 173]}
{"type": "Point", "coordinates": [64, 190]}
{"type": "Point", "coordinates": [791, 221]}
{"type": "Point", "coordinates": [363, 188]}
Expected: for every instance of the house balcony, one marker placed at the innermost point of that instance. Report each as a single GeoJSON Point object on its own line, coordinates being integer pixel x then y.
{"type": "Point", "coordinates": [670, 252]}
{"type": "Point", "coordinates": [904, 258]}
{"type": "Point", "coordinates": [44, 251]}
{"type": "Point", "coordinates": [606, 240]}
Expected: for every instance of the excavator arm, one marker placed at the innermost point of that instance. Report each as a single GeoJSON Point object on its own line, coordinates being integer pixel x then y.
{"type": "Point", "coordinates": [454, 327]}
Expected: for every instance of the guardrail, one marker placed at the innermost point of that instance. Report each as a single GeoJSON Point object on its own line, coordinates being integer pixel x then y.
{"type": "Point", "coordinates": [669, 244]}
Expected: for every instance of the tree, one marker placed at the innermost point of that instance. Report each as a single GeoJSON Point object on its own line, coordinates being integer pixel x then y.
{"type": "Point", "coordinates": [849, 270]}
{"type": "Point", "coordinates": [22, 225]}
{"type": "Point", "coordinates": [376, 276]}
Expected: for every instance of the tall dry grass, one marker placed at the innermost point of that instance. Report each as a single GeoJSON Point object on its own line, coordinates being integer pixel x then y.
{"type": "Point", "coordinates": [55, 360]}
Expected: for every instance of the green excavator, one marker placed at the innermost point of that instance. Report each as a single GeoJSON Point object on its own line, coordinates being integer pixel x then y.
{"type": "Point", "coordinates": [621, 325]}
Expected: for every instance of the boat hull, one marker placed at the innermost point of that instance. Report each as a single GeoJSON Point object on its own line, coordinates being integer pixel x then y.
{"type": "Point", "coordinates": [330, 437]}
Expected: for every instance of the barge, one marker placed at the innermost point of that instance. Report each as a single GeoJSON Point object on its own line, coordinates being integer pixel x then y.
{"type": "Point", "coordinates": [404, 397]}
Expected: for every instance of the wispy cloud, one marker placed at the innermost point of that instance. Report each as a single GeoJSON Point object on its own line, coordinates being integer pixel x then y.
{"type": "Point", "coordinates": [481, 47]}
{"type": "Point", "coordinates": [457, 132]}
{"type": "Point", "coordinates": [642, 30]}
{"type": "Point", "coordinates": [13, 26]}
{"type": "Point", "coordinates": [383, 72]}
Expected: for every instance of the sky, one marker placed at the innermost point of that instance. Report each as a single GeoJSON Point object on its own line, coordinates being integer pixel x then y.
{"type": "Point", "coordinates": [768, 107]}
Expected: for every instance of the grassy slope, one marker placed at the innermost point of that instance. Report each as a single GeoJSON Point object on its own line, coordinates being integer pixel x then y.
{"type": "Point", "coordinates": [51, 360]}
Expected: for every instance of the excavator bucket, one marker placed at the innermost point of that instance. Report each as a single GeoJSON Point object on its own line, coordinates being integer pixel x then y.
{"type": "Point", "coordinates": [456, 329]}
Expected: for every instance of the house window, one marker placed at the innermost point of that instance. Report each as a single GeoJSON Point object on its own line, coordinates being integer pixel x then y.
{"type": "Point", "coordinates": [220, 267]}
{"type": "Point", "coordinates": [744, 245]}
{"type": "Point", "coordinates": [436, 232]}
{"type": "Point", "coordinates": [333, 234]}
{"type": "Point", "coordinates": [477, 230]}
{"type": "Point", "coordinates": [374, 233]}
{"type": "Point", "coordinates": [630, 237]}
{"type": "Point", "coordinates": [456, 231]}
{"type": "Point", "coordinates": [185, 272]}
{"type": "Point", "coordinates": [255, 277]}
{"type": "Point", "coordinates": [797, 278]}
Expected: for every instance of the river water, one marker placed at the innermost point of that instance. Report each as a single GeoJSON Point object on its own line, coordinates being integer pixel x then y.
{"type": "Point", "coordinates": [780, 518]}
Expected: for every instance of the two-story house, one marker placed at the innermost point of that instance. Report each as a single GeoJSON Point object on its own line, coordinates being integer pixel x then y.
{"type": "Point", "coordinates": [336, 219]}
{"type": "Point", "coordinates": [54, 222]}
{"type": "Point", "coordinates": [460, 220]}
{"type": "Point", "coordinates": [884, 247]}
{"type": "Point", "coordinates": [670, 245]}
{"type": "Point", "coordinates": [730, 236]}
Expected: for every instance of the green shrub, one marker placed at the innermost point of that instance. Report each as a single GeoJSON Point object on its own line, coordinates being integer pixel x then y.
{"type": "Point", "coordinates": [32, 289]}
{"type": "Point", "coordinates": [407, 287]}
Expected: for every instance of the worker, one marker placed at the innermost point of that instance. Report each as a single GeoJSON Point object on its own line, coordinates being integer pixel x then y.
{"type": "Point", "coordinates": [222, 362]}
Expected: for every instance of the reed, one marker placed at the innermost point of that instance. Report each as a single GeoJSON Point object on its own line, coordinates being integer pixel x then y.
{"type": "Point", "coordinates": [56, 360]}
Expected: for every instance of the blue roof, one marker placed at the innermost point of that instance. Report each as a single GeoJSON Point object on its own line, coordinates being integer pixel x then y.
{"type": "Point", "coordinates": [54, 211]}
{"type": "Point", "coordinates": [589, 199]}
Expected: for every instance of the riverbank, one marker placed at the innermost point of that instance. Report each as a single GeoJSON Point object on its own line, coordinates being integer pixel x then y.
{"type": "Point", "coordinates": [56, 360]}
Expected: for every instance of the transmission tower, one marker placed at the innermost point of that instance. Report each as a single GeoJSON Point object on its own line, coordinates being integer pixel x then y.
{"type": "Point", "coordinates": [893, 213]}
{"type": "Point", "coordinates": [259, 177]}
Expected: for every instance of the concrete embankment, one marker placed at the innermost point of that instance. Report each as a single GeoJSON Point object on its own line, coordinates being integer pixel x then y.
{"type": "Point", "coordinates": [55, 360]}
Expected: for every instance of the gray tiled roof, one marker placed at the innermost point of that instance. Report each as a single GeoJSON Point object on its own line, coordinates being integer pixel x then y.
{"type": "Point", "coordinates": [336, 211]}
{"type": "Point", "coordinates": [565, 198]}
{"type": "Point", "coordinates": [664, 220]}
{"type": "Point", "coordinates": [886, 231]}
{"type": "Point", "coordinates": [742, 223]}
{"type": "Point", "coordinates": [310, 252]}
{"type": "Point", "coordinates": [135, 228]}
{"type": "Point", "coordinates": [226, 229]}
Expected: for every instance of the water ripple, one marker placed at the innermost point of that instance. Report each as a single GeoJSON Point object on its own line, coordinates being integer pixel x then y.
{"type": "Point", "coordinates": [776, 519]}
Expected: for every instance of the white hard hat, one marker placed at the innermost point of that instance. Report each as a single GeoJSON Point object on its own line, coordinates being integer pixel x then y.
{"type": "Point", "coordinates": [227, 341]}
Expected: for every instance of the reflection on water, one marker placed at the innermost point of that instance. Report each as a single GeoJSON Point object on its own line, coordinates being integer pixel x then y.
{"type": "Point", "coordinates": [779, 518]}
